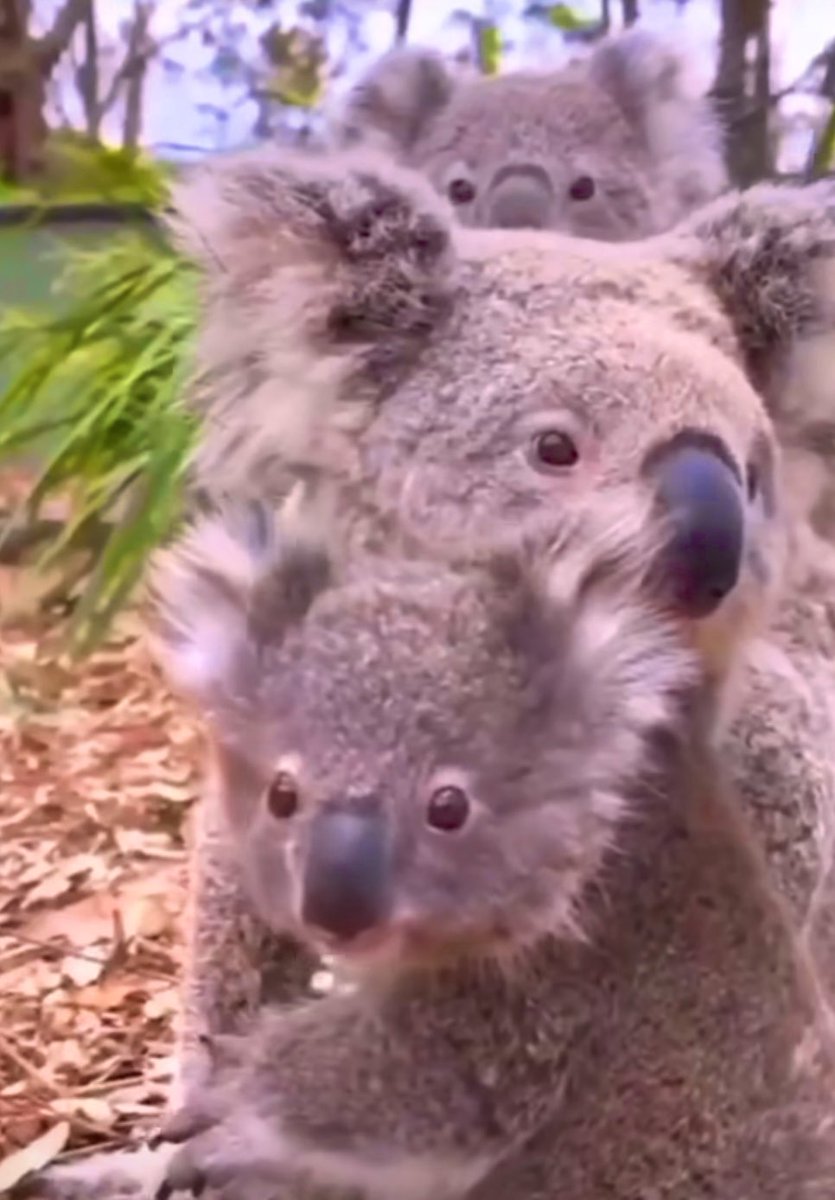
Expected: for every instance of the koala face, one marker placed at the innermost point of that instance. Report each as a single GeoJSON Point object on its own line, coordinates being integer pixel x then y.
{"type": "Point", "coordinates": [502, 159]}
{"type": "Point", "coordinates": [525, 405]}
{"type": "Point", "coordinates": [613, 147]}
{"type": "Point", "coordinates": [426, 754]}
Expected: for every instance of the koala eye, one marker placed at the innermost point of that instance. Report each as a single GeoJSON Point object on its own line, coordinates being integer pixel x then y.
{"type": "Point", "coordinates": [448, 810]}
{"type": "Point", "coordinates": [282, 796]}
{"type": "Point", "coordinates": [555, 449]}
{"type": "Point", "coordinates": [461, 191]}
{"type": "Point", "coordinates": [752, 481]}
{"type": "Point", "coordinates": [583, 188]}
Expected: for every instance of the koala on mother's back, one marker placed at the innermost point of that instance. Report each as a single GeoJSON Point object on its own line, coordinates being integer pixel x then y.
{"type": "Point", "coordinates": [617, 145]}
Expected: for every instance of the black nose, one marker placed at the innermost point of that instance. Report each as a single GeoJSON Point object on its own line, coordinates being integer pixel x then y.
{"type": "Point", "coordinates": [346, 877]}
{"type": "Point", "coordinates": [703, 497]}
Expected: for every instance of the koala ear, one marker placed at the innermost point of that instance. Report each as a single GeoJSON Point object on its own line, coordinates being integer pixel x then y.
{"type": "Point", "coordinates": [651, 81]}
{"type": "Point", "coordinates": [768, 255]}
{"type": "Point", "coordinates": [235, 576]}
{"type": "Point", "coordinates": [322, 278]}
{"type": "Point", "coordinates": [323, 229]}
{"type": "Point", "coordinates": [393, 103]}
{"type": "Point", "coordinates": [580, 592]}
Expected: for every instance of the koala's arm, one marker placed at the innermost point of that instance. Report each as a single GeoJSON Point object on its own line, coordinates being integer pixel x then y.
{"type": "Point", "coordinates": [416, 1096]}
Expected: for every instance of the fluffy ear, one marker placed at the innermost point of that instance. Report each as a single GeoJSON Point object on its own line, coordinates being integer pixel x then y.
{"type": "Point", "coordinates": [393, 103]}
{"type": "Point", "coordinates": [768, 255]}
{"type": "Point", "coordinates": [651, 81]}
{"type": "Point", "coordinates": [322, 276]}
{"type": "Point", "coordinates": [345, 235]}
{"type": "Point", "coordinates": [582, 588]}
{"type": "Point", "coordinates": [235, 580]}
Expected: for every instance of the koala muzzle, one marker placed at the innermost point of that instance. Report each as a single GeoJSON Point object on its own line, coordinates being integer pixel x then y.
{"type": "Point", "coordinates": [345, 887]}
{"type": "Point", "coordinates": [703, 498]}
{"type": "Point", "coordinates": [521, 198]}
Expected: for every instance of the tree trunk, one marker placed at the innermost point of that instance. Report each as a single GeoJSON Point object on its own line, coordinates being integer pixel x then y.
{"type": "Point", "coordinates": [26, 64]}
{"type": "Point", "coordinates": [742, 97]}
{"type": "Point", "coordinates": [21, 94]}
{"type": "Point", "coordinates": [136, 71]}
{"type": "Point", "coordinates": [402, 17]}
{"type": "Point", "coordinates": [88, 75]}
{"type": "Point", "coordinates": [630, 12]}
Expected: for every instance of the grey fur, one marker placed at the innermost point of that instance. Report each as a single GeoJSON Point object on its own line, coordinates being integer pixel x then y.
{"type": "Point", "coordinates": [626, 116]}
{"type": "Point", "coordinates": [630, 344]}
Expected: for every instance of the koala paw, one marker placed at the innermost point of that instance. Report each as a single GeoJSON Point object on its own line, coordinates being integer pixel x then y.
{"type": "Point", "coordinates": [238, 1151]}
{"type": "Point", "coordinates": [225, 1137]}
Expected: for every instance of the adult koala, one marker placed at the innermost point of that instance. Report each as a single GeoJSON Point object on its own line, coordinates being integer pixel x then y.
{"type": "Point", "coordinates": [614, 146]}
{"type": "Point", "coordinates": [411, 374]}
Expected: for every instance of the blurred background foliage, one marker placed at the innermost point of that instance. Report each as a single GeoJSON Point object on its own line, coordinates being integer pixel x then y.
{"type": "Point", "coordinates": [96, 309]}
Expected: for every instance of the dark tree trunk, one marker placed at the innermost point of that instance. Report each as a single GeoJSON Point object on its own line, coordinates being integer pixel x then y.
{"type": "Point", "coordinates": [630, 12]}
{"type": "Point", "coordinates": [741, 95]}
{"type": "Point", "coordinates": [26, 64]}
{"type": "Point", "coordinates": [403, 16]}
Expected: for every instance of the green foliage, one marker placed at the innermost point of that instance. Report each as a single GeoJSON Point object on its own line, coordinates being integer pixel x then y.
{"type": "Point", "coordinates": [564, 18]}
{"type": "Point", "coordinates": [95, 398]}
{"type": "Point", "coordinates": [823, 157]}
{"type": "Point", "coordinates": [489, 47]}
{"type": "Point", "coordinates": [298, 63]}
{"type": "Point", "coordinates": [78, 170]}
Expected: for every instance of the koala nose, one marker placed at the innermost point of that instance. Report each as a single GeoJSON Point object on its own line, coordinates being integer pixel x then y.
{"type": "Point", "coordinates": [702, 494]}
{"type": "Point", "coordinates": [345, 887]}
{"type": "Point", "coordinates": [521, 199]}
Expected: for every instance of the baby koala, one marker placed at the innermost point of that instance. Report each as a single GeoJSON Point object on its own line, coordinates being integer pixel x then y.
{"type": "Point", "coordinates": [424, 764]}
{"type": "Point", "coordinates": [613, 146]}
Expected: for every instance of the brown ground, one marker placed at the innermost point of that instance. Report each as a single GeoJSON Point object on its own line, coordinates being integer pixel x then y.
{"type": "Point", "coordinates": [97, 768]}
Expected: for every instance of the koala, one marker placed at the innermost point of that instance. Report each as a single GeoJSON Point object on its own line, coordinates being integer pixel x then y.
{"type": "Point", "coordinates": [473, 781]}
{"type": "Point", "coordinates": [394, 372]}
{"type": "Point", "coordinates": [617, 145]}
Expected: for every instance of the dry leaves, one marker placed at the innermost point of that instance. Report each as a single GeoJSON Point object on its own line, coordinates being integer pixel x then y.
{"type": "Point", "coordinates": [98, 765]}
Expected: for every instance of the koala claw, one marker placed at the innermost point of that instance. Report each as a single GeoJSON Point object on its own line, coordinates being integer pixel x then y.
{"type": "Point", "coordinates": [184, 1124]}
{"type": "Point", "coordinates": [183, 1176]}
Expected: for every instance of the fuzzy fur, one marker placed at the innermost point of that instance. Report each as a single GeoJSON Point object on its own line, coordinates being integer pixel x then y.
{"type": "Point", "coordinates": [423, 429]}
{"type": "Point", "coordinates": [627, 116]}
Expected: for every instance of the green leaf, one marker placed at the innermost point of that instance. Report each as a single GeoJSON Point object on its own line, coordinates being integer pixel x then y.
{"type": "Point", "coordinates": [489, 48]}
{"type": "Point", "coordinates": [564, 18]}
{"type": "Point", "coordinates": [95, 397]}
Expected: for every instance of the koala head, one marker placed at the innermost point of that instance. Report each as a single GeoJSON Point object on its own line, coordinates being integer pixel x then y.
{"type": "Point", "coordinates": [420, 755]}
{"type": "Point", "coordinates": [357, 341]}
{"type": "Point", "coordinates": [614, 146]}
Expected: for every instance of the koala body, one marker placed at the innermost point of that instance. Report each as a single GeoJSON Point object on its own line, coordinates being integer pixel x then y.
{"type": "Point", "coordinates": [476, 783]}
{"type": "Point", "coordinates": [617, 145]}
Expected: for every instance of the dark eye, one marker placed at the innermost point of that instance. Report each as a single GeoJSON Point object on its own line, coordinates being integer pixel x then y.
{"type": "Point", "coordinates": [752, 481]}
{"type": "Point", "coordinates": [461, 191]}
{"type": "Point", "coordinates": [282, 796]}
{"type": "Point", "coordinates": [582, 188]}
{"type": "Point", "coordinates": [448, 809]}
{"type": "Point", "coordinates": [554, 448]}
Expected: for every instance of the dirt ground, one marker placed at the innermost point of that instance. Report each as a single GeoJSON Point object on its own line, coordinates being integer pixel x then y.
{"type": "Point", "coordinates": [98, 766]}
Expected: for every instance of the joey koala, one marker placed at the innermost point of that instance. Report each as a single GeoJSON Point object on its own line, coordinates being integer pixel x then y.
{"type": "Point", "coordinates": [423, 764]}
{"type": "Point", "coordinates": [617, 145]}
{"type": "Point", "coordinates": [428, 765]}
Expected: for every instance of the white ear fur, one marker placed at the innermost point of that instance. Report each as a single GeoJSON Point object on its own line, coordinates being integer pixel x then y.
{"type": "Point", "coordinates": [391, 104]}
{"type": "Point", "coordinates": [655, 85]}
{"type": "Point", "coordinates": [201, 590]}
